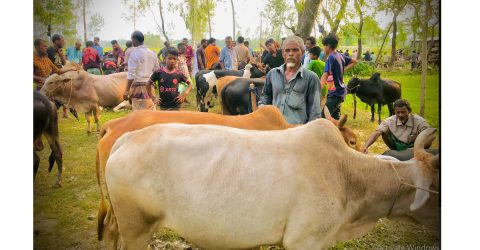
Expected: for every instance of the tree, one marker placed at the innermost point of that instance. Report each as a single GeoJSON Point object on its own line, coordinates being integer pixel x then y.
{"type": "Point", "coordinates": [424, 56]}
{"type": "Point", "coordinates": [95, 25]}
{"type": "Point", "coordinates": [148, 4]}
{"type": "Point", "coordinates": [135, 11]}
{"type": "Point", "coordinates": [358, 7]}
{"type": "Point", "coordinates": [210, 9]}
{"type": "Point", "coordinates": [85, 3]}
{"type": "Point", "coordinates": [279, 13]}
{"type": "Point", "coordinates": [396, 7]}
{"type": "Point", "coordinates": [307, 12]}
{"type": "Point", "coordinates": [233, 17]}
{"type": "Point", "coordinates": [57, 13]}
{"type": "Point", "coordinates": [340, 14]}
{"type": "Point", "coordinates": [194, 14]}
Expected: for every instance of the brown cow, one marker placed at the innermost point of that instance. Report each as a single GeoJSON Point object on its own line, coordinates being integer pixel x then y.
{"type": "Point", "coordinates": [86, 92]}
{"type": "Point", "coordinates": [267, 117]}
{"type": "Point", "coordinates": [348, 135]}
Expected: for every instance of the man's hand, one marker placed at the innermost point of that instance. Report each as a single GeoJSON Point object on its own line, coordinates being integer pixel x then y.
{"type": "Point", "coordinates": [181, 98]}
{"type": "Point", "coordinates": [157, 101]}
{"type": "Point", "coordinates": [125, 96]}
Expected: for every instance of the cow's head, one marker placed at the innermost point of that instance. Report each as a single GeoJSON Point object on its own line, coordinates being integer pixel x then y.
{"type": "Point", "coordinates": [418, 203]}
{"type": "Point", "coordinates": [56, 85]}
{"type": "Point", "coordinates": [353, 85]}
{"type": "Point", "coordinates": [348, 135]}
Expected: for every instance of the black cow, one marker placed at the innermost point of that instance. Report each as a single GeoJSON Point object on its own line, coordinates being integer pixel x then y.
{"type": "Point", "coordinates": [375, 91]}
{"type": "Point", "coordinates": [203, 86]}
{"type": "Point", "coordinates": [237, 96]}
{"type": "Point", "coordinates": [45, 121]}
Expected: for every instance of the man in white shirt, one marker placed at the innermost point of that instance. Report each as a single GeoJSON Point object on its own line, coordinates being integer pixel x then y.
{"type": "Point", "coordinates": [310, 42]}
{"type": "Point", "coordinates": [142, 62]}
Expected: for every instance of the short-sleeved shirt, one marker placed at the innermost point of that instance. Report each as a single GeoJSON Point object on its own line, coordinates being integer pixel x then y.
{"type": "Point", "coordinates": [54, 56]}
{"type": "Point", "coordinates": [42, 67]}
{"type": "Point", "coordinates": [297, 99]}
{"type": "Point", "coordinates": [335, 65]}
{"type": "Point", "coordinates": [99, 50]}
{"type": "Point", "coordinates": [242, 52]}
{"type": "Point", "coordinates": [189, 55]}
{"type": "Point", "coordinates": [272, 61]}
{"type": "Point", "coordinates": [200, 53]}
{"type": "Point", "coordinates": [118, 53]}
{"type": "Point", "coordinates": [142, 62]}
{"type": "Point", "coordinates": [168, 86]}
{"type": "Point", "coordinates": [212, 53]}
{"type": "Point", "coordinates": [74, 55]}
{"type": "Point", "coordinates": [226, 56]}
{"type": "Point", "coordinates": [316, 66]}
{"type": "Point", "coordinates": [182, 65]}
{"type": "Point", "coordinates": [406, 133]}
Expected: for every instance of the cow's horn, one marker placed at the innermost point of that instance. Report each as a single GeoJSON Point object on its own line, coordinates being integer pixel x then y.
{"type": "Point", "coordinates": [342, 121]}
{"type": "Point", "coordinates": [425, 137]}
{"type": "Point", "coordinates": [326, 113]}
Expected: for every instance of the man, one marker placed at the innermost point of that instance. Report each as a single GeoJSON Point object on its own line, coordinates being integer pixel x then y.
{"type": "Point", "coordinates": [212, 53]}
{"type": "Point", "coordinates": [188, 54]}
{"type": "Point", "coordinates": [117, 52]}
{"type": "Point", "coordinates": [162, 54]}
{"type": "Point", "coordinates": [292, 88]}
{"type": "Point", "coordinates": [309, 43]}
{"type": "Point", "coordinates": [43, 67]}
{"type": "Point", "coordinates": [227, 58]}
{"type": "Point", "coordinates": [74, 53]}
{"type": "Point", "coordinates": [200, 53]}
{"type": "Point", "coordinates": [317, 66]}
{"type": "Point", "coordinates": [274, 57]}
{"type": "Point", "coordinates": [348, 54]}
{"type": "Point", "coordinates": [128, 51]}
{"type": "Point", "coordinates": [247, 44]}
{"type": "Point", "coordinates": [367, 56]}
{"type": "Point", "coordinates": [413, 60]}
{"type": "Point", "coordinates": [141, 64]}
{"type": "Point", "coordinates": [399, 131]}
{"type": "Point", "coordinates": [242, 53]}
{"type": "Point", "coordinates": [335, 66]}
{"type": "Point", "coordinates": [98, 47]}
{"type": "Point", "coordinates": [55, 52]}
{"type": "Point", "coordinates": [91, 59]}
{"type": "Point", "coordinates": [182, 60]}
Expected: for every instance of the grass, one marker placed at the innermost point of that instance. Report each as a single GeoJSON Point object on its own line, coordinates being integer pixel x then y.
{"type": "Point", "coordinates": [65, 218]}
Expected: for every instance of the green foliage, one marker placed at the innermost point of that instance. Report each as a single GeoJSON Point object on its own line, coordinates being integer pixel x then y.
{"type": "Point", "coordinates": [279, 13]}
{"type": "Point", "coordinates": [95, 25]}
{"type": "Point", "coordinates": [59, 14]}
{"type": "Point", "coordinates": [360, 69]}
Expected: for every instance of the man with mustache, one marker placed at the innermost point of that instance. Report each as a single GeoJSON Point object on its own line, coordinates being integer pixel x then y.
{"type": "Point", "coordinates": [292, 88]}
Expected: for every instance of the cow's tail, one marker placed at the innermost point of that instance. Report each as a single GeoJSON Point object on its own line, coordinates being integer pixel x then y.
{"type": "Point", "coordinates": [354, 106]}
{"type": "Point", "coordinates": [102, 208]}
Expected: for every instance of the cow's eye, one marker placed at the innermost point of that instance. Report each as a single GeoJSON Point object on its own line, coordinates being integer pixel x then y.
{"type": "Point", "coordinates": [353, 142]}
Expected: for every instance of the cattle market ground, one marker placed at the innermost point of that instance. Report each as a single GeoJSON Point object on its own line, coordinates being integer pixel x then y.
{"type": "Point", "coordinates": [65, 218]}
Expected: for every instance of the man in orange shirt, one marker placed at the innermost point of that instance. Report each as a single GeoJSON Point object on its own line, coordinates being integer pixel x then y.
{"type": "Point", "coordinates": [212, 53]}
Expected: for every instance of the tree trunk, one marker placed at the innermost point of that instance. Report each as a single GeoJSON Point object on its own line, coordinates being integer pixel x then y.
{"type": "Point", "coordinates": [161, 17]}
{"type": "Point", "coordinates": [423, 83]}
{"type": "Point", "coordinates": [394, 40]}
{"type": "Point", "coordinates": [134, 14]}
{"type": "Point", "coordinates": [384, 39]}
{"type": "Point", "coordinates": [84, 21]}
{"type": "Point", "coordinates": [307, 17]}
{"type": "Point", "coordinates": [360, 28]}
{"type": "Point", "coordinates": [209, 26]}
{"type": "Point", "coordinates": [233, 17]}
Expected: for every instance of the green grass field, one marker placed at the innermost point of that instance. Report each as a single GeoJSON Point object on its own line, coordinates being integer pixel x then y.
{"type": "Point", "coordinates": [65, 218]}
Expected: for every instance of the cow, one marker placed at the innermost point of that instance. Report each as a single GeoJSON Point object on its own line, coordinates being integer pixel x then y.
{"type": "Point", "coordinates": [86, 92]}
{"type": "Point", "coordinates": [45, 122]}
{"type": "Point", "coordinates": [375, 91]}
{"type": "Point", "coordinates": [227, 188]}
{"type": "Point", "coordinates": [408, 153]}
{"type": "Point", "coordinates": [237, 97]}
{"type": "Point", "coordinates": [348, 135]}
{"type": "Point", "coordinates": [206, 88]}
{"type": "Point", "coordinates": [267, 117]}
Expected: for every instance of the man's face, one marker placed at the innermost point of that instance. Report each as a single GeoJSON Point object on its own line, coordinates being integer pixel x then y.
{"type": "Point", "coordinates": [308, 44]}
{"type": "Point", "coordinates": [185, 41]}
{"type": "Point", "coordinates": [271, 47]}
{"type": "Point", "coordinates": [204, 45]}
{"type": "Point", "coordinates": [42, 48]}
{"type": "Point", "coordinates": [167, 44]}
{"type": "Point", "coordinates": [171, 61]}
{"type": "Point", "coordinates": [60, 43]}
{"type": "Point", "coordinates": [229, 42]}
{"type": "Point", "coordinates": [326, 49]}
{"type": "Point", "coordinates": [96, 41]}
{"type": "Point", "coordinates": [402, 113]}
{"type": "Point", "coordinates": [78, 45]}
{"type": "Point", "coordinates": [312, 56]}
{"type": "Point", "coordinates": [115, 46]}
{"type": "Point", "coordinates": [292, 54]}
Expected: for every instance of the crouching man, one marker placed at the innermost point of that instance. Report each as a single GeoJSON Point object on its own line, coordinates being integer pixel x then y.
{"type": "Point", "coordinates": [400, 130]}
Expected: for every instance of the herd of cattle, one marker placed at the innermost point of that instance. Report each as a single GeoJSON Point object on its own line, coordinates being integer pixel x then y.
{"type": "Point", "coordinates": [243, 178]}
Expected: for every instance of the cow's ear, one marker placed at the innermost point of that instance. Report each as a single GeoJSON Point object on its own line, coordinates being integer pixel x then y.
{"type": "Point", "coordinates": [375, 76]}
{"type": "Point", "coordinates": [421, 195]}
{"type": "Point", "coordinates": [342, 121]}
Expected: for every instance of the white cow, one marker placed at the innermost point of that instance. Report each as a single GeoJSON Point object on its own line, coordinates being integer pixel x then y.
{"type": "Point", "coordinates": [227, 188]}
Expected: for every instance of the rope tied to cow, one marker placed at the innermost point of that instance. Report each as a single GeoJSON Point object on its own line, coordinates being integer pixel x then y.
{"type": "Point", "coordinates": [252, 90]}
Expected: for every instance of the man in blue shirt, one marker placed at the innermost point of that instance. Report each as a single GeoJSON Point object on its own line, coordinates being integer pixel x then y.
{"type": "Point", "coordinates": [98, 47]}
{"type": "Point", "coordinates": [226, 55]}
{"type": "Point", "coordinates": [335, 66]}
{"type": "Point", "coordinates": [74, 53]}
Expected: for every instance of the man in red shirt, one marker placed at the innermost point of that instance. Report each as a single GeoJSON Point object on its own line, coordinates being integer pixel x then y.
{"type": "Point", "coordinates": [188, 54]}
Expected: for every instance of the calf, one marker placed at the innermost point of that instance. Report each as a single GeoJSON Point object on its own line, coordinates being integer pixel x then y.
{"type": "Point", "coordinates": [237, 97]}
{"type": "Point", "coordinates": [375, 91]}
{"type": "Point", "coordinates": [239, 189]}
{"type": "Point", "coordinates": [45, 122]}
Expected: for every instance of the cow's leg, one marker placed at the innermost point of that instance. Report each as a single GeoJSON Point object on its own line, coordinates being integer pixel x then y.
{"type": "Point", "coordinates": [372, 108]}
{"type": "Point", "coordinates": [56, 155]}
{"type": "Point", "coordinates": [88, 117]}
{"type": "Point", "coordinates": [136, 231]}
{"type": "Point", "coordinates": [111, 231]}
{"type": "Point", "coordinates": [390, 108]}
{"type": "Point", "coordinates": [379, 113]}
{"type": "Point", "coordinates": [36, 163]}
{"type": "Point", "coordinates": [96, 115]}
{"type": "Point", "coordinates": [65, 113]}
{"type": "Point", "coordinates": [303, 232]}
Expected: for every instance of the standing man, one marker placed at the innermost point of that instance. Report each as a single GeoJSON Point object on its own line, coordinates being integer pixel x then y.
{"type": "Point", "coordinates": [188, 54]}
{"type": "Point", "coordinates": [141, 64]}
{"type": "Point", "coordinates": [162, 54]}
{"type": "Point", "coordinates": [74, 53]}
{"type": "Point", "coordinates": [247, 44]}
{"type": "Point", "coordinates": [201, 62]}
{"type": "Point", "coordinates": [55, 52]}
{"type": "Point", "coordinates": [128, 51]}
{"type": "Point", "coordinates": [242, 52]}
{"type": "Point", "coordinates": [91, 59]}
{"type": "Point", "coordinates": [335, 66]}
{"type": "Point", "coordinates": [317, 66]}
{"type": "Point", "coordinates": [227, 59]}
{"type": "Point", "coordinates": [413, 60]}
{"type": "Point", "coordinates": [292, 88]}
{"type": "Point", "coordinates": [399, 131]}
{"type": "Point", "coordinates": [309, 43]}
{"type": "Point", "coordinates": [182, 60]}
{"type": "Point", "coordinates": [212, 53]}
{"type": "Point", "coordinates": [98, 47]}
{"type": "Point", "coordinates": [274, 57]}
